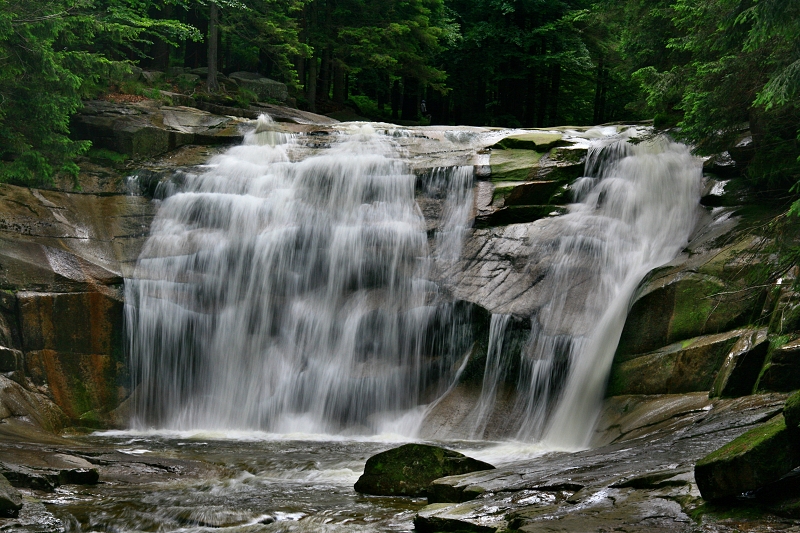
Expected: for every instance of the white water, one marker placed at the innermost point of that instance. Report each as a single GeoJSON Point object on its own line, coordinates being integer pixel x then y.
{"type": "Point", "coordinates": [636, 209]}
{"type": "Point", "coordinates": [290, 296]}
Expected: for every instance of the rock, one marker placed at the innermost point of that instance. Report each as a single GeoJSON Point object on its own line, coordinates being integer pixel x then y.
{"type": "Point", "coordinates": [79, 476]}
{"type": "Point", "coordinates": [435, 524]}
{"type": "Point", "coordinates": [742, 365]}
{"type": "Point", "coordinates": [782, 371]}
{"type": "Point", "coordinates": [134, 74]}
{"type": "Point", "coordinates": [178, 98]}
{"type": "Point", "coordinates": [74, 345]}
{"type": "Point", "coordinates": [152, 76]}
{"type": "Point", "coordinates": [264, 88]}
{"type": "Point", "coordinates": [538, 141]}
{"type": "Point", "coordinates": [410, 469]}
{"type": "Point", "coordinates": [721, 164]}
{"type": "Point", "coordinates": [143, 129]}
{"type": "Point", "coordinates": [687, 366]}
{"type": "Point", "coordinates": [760, 456]}
{"type": "Point", "coordinates": [791, 412]}
{"type": "Point", "coordinates": [514, 165]}
{"type": "Point", "coordinates": [10, 360]}
{"type": "Point", "coordinates": [10, 499]}
{"type": "Point", "coordinates": [516, 214]}
{"type": "Point", "coordinates": [16, 402]}
{"type": "Point", "coordinates": [683, 305]}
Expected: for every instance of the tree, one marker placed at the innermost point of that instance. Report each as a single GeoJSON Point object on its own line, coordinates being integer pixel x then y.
{"type": "Point", "coordinates": [52, 54]}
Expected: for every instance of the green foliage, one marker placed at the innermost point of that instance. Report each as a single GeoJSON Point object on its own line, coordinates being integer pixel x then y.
{"type": "Point", "coordinates": [719, 64]}
{"type": "Point", "coordinates": [52, 54]}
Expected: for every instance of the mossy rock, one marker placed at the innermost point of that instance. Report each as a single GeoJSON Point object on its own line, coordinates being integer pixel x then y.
{"type": "Point", "coordinates": [514, 165]}
{"type": "Point", "coordinates": [782, 372]}
{"type": "Point", "coordinates": [409, 469]}
{"type": "Point", "coordinates": [538, 141]}
{"type": "Point", "coordinates": [686, 366]}
{"type": "Point", "coordinates": [760, 456]}
{"type": "Point", "coordinates": [791, 412]}
{"type": "Point", "coordinates": [682, 306]}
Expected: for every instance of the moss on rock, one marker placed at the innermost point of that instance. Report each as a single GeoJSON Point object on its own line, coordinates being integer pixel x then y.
{"type": "Point", "coordinates": [760, 456]}
{"type": "Point", "coordinates": [409, 469]}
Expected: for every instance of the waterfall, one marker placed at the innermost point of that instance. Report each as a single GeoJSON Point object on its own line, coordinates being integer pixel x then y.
{"type": "Point", "coordinates": [286, 296]}
{"type": "Point", "coordinates": [635, 210]}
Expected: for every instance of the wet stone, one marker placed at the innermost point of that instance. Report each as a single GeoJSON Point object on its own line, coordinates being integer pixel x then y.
{"type": "Point", "coordinates": [760, 456]}
{"type": "Point", "coordinates": [410, 469]}
{"type": "Point", "coordinates": [10, 499]}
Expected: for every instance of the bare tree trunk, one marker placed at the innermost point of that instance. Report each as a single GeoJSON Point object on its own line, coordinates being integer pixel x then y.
{"type": "Point", "coordinates": [213, 48]}
{"type": "Point", "coordinates": [339, 83]}
{"type": "Point", "coordinates": [311, 86]}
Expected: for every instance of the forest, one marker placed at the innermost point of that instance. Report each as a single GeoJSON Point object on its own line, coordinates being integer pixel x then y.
{"type": "Point", "coordinates": [707, 70]}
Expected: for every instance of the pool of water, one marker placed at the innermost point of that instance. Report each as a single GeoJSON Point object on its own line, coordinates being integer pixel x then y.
{"type": "Point", "coordinates": [204, 481]}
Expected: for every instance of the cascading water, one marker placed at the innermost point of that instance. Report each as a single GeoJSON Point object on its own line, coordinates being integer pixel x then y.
{"type": "Point", "coordinates": [635, 210]}
{"type": "Point", "coordinates": [289, 296]}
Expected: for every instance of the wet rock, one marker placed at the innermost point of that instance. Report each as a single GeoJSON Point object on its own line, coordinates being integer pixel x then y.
{"type": "Point", "coordinates": [410, 469]}
{"type": "Point", "coordinates": [687, 366]}
{"type": "Point", "coordinates": [435, 524]}
{"type": "Point", "coordinates": [782, 371]}
{"type": "Point", "coordinates": [10, 499]}
{"type": "Point", "coordinates": [10, 360]}
{"type": "Point", "coordinates": [760, 456]}
{"type": "Point", "coordinates": [742, 365]}
{"type": "Point", "coordinates": [264, 88]}
{"type": "Point", "coordinates": [29, 478]}
{"type": "Point", "coordinates": [537, 141]}
{"type": "Point", "coordinates": [514, 165]}
{"type": "Point", "coordinates": [516, 214]}
{"type": "Point", "coordinates": [721, 164]}
{"type": "Point", "coordinates": [683, 305]}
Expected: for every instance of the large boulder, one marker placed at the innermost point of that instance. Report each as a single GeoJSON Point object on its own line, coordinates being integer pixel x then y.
{"type": "Point", "coordinates": [264, 88]}
{"type": "Point", "coordinates": [10, 499]}
{"type": "Point", "coordinates": [410, 469]}
{"type": "Point", "coordinates": [760, 456]}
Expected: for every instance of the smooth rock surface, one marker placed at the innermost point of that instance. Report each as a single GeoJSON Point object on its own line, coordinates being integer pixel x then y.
{"type": "Point", "coordinates": [409, 469]}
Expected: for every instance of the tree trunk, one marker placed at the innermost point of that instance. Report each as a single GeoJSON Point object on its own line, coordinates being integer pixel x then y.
{"type": "Point", "coordinates": [213, 48]}
{"type": "Point", "coordinates": [396, 96]}
{"type": "Point", "coordinates": [311, 86]}
{"type": "Point", "coordinates": [599, 90]}
{"type": "Point", "coordinates": [339, 91]}
{"type": "Point", "coordinates": [411, 98]}
{"type": "Point", "coordinates": [555, 87]}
